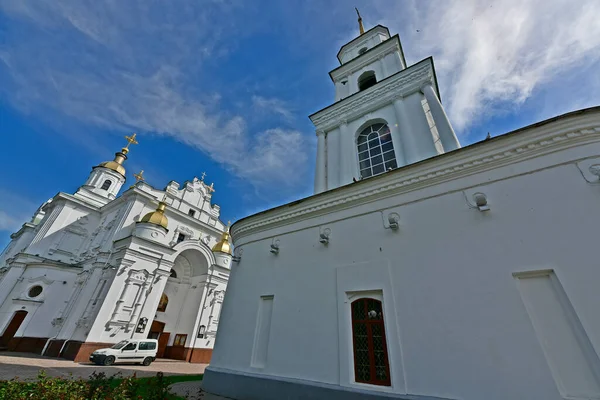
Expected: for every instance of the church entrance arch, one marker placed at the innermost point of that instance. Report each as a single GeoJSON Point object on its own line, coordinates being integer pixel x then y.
{"type": "Point", "coordinates": [180, 304]}
{"type": "Point", "coordinates": [12, 328]}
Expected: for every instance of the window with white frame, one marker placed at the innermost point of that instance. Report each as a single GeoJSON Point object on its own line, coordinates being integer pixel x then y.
{"type": "Point", "coordinates": [375, 150]}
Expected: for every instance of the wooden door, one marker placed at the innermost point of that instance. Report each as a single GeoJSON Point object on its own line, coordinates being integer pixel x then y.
{"type": "Point", "coordinates": [163, 339]}
{"type": "Point", "coordinates": [12, 327]}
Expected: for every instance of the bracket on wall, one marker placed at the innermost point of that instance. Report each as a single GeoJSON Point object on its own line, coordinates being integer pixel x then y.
{"type": "Point", "coordinates": [275, 246]}
{"type": "Point", "coordinates": [590, 170]}
{"type": "Point", "coordinates": [393, 221]}
{"type": "Point", "coordinates": [237, 255]}
{"type": "Point", "coordinates": [478, 200]}
{"type": "Point", "coordinates": [324, 236]}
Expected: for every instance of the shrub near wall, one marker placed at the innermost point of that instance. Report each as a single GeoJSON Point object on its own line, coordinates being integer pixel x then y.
{"type": "Point", "coordinates": [98, 387]}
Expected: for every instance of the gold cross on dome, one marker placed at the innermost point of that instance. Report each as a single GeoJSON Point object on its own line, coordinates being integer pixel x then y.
{"type": "Point", "coordinates": [130, 140]}
{"type": "Point", "coordinates": [211, 188]}
{"type": "Point", "coordinates": [139, 176]}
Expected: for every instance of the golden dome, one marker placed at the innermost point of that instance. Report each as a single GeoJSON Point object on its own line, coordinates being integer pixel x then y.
{"type": "Point", "coordinates": [223, 245]}
{"type": "Point", "coordinates": [114, 165]}
{"type": "Point", "coordinates": [157, 217]}
{"type": "Point", "coordinates": [117, 164]}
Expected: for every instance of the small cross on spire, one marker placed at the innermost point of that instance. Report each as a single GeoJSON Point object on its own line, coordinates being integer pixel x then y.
{"type": "Point", "coordinates": [211, 188]}
{"type": "Point", "coordinates": [131, 140]}
{"type": "Point", "coordinates": [203, 175]}
{"type": "Point", "coordinates": [139, 176]}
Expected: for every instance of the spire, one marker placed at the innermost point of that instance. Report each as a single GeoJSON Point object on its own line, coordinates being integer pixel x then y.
{"type": "Point", "coordinates": [130, 140]}
{"type": "Point", "coordinates": [117, 163]}
{"type": "Point", "coordinates": [139, 176]}
{"type": "Point", "coordinates": [361, 28]}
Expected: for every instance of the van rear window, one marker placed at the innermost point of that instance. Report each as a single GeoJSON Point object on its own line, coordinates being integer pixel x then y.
{"type": "Point", "coordinates": [147, 346]}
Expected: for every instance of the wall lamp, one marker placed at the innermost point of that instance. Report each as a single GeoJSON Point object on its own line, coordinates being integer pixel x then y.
{"type": "Point", "coordinates": [393, 221]}
{"type": "Point", "coordinates": [324, 236]}
{"type": "Point", "coordinates": [481, 201]}
{"type": "Point", "coordinates": [237, 256]}
{"type": "Point", "coordinates": [275, 247]}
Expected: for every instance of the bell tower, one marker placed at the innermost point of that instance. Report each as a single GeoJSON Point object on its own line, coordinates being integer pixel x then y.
{"type": "Point", "coordinates": [385, 115]}
{"type": "Point", "coordinates": [106, 179]}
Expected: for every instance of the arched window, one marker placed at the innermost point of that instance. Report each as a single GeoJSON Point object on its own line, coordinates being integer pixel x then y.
{"type": "Point", "coordinates": [106, 184]}
{"type": "Point", "coordinates": [173, 274]}
{"type": "Point", "coordinates": [362, 51]}
{"type": "Point", "coordinates": [375, 150]}
{"type": "Point", "coordinates": [371, 363]}
{"type": "Point", "coordinates": [201, 332]}
{"type": "Point", "coordinates": [162, 304]}
{"type": "Point", "coordinates": [366, 80]}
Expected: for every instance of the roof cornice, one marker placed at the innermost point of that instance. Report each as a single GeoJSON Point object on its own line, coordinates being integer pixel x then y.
{"type": "Point", "coordinates": [536, 140]}
{"type": "Point", "coordinates": [381, 50]}
{"type": "Point", "coordinates": [400, 84]}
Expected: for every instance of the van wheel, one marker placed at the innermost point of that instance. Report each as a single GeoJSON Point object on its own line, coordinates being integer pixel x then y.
{"type": "Point", "coordinates": [147, 361]}
{"type": "Point", "coordinates": [110, 360]}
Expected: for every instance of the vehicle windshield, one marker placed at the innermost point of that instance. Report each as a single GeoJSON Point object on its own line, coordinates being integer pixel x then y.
{"type": "Point", "coordinates": [119, 345]}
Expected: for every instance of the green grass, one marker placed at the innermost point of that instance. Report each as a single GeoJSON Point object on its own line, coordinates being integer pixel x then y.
{"type": "Point", "coordinates": [169, 380]}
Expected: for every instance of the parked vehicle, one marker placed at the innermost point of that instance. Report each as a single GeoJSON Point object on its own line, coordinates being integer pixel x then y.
{"type": "Point", "coordinates": [141, 351]}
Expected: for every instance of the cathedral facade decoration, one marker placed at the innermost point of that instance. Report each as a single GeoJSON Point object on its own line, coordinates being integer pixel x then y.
{"type": "Point", "coordinates": [420, 269]}
{"type": "Point", "coordinates": [93, 268]}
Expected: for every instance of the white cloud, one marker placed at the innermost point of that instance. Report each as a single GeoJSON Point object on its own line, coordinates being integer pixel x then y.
{"type": "Point", "coordinates": [14, 210]}
{"type": "Point", "coordinates": [490, 55]}
{"type": "Point", "coordinates": [118, 65]}
{"type": "Point", "coordinates": [274, 106]}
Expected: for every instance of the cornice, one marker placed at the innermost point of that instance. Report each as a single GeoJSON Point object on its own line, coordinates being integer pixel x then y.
{"type": "Point", "coordinates": [364, 37]}
{"type": "Point", "coordinates": [526, 143]}
{"type": "Point", "coordinates": [371, 56]}
{"type": "Point", "coordinates": [401, 84]}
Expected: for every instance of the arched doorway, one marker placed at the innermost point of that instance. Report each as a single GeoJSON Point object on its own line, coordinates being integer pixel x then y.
{"type": "Point", "coordinates": [12, 328]}
{"type": "Point", "coordinates": [180, 304]}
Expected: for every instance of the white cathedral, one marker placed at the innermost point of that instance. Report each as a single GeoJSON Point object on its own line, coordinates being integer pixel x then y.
{"type": "Point", "coordinates": [419, 269]}
{"type": "Point", "coordinates": [92, 269]}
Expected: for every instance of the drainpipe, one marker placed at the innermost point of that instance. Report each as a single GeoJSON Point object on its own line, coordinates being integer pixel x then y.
{"type": "Point", "coordinates": [195, 332]}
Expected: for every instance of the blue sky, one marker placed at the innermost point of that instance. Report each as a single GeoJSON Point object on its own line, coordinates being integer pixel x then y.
{"type": "Point", "coordinates": [225, 86]}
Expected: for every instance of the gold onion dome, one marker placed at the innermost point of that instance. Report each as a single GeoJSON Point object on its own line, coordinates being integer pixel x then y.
{"type": "Point", "coordinates": [117, 164]}
{"type": "Point", "coordinates": [223, 245]}
{"type": "Point", "coordinates": [157, 217]}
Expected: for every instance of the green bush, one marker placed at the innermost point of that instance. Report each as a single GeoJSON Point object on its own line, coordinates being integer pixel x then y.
{"type": "Point", "coordinates": [98, 387]}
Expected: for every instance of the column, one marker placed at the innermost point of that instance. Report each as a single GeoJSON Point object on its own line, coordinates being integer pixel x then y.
{"type": "Point", "coordinates": [409, 146]}
{"type": "Point", "coordinates": [383, 68]}
{"type": "Point", "coordinates": [333, 159]}
{"type": "Point", "coordinates": [320, 177]}
{"type": "Point", "coordinates": [9, 281]}
{"type": "Point", "coordinates": [447, 135]}
{"type": "Point", "coordinates": [346, 154]}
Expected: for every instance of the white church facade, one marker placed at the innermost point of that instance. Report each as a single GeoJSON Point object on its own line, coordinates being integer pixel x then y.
{"type": "Point", "coordinates": [419, 269]}
{"type": "Point", "coordinates": [93, 268]}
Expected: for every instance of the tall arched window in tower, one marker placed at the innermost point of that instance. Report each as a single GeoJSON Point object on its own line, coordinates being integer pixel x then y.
{"type": "Point", "coordinates": [371, 363]}
{"type": "Point", "coordinates": [162, 304]}
{"type": "Point", "coordinates": [106, 184]}
{"type": "Point", "coordinates": [366, 80]}
{"type": "Point", "coordinates": [375, 150]}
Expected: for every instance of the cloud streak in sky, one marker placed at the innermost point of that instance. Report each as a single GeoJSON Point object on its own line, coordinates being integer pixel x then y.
{"type": "Point", "coordinates": [140, 66]}
{"type": "Point", "coordinates": [490, 55]}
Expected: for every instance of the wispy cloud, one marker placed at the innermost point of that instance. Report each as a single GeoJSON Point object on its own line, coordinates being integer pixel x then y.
{"type": "Point", "coordinates": [14, 210]}
{"type": "Point", "coordinates": [493, 55]}
{"type": "Point", "coordinates": [141, 66]}
{"type": "Point", "coordinates": [274, 106]}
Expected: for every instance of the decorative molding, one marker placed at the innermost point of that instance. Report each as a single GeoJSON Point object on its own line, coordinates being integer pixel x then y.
{"type": "Point", "coordinates": [403, 83]}
{"type": "Point", "coordinates": [451, 166]}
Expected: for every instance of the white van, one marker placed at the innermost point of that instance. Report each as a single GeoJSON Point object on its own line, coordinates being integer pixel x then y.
{"type": "Point", "coordinates": [127, 351]}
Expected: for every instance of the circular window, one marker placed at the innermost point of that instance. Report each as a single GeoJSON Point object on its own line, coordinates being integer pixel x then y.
{"type": "Point", "coordinates": [35, 291]}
